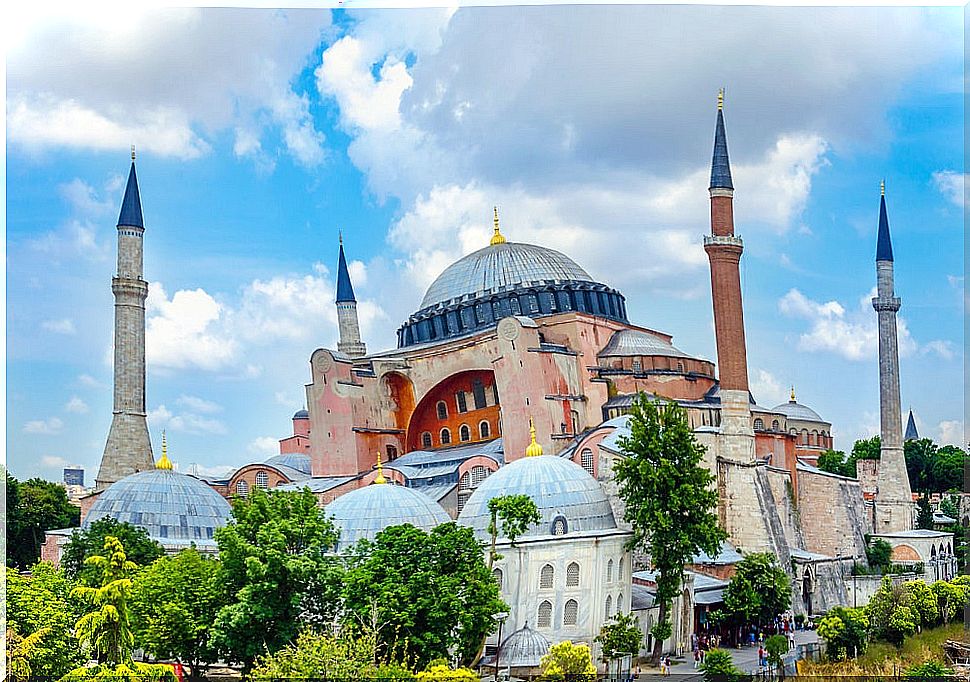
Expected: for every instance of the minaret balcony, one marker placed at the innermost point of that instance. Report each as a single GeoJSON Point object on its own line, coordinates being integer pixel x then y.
{"type": "Point", "coordinates": [892, 304]}
{"type": "Point", "coordinates": [722, 240]}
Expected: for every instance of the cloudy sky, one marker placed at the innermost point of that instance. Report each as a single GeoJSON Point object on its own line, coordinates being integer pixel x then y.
{"type": "Point", "coordinates": [261, 133]}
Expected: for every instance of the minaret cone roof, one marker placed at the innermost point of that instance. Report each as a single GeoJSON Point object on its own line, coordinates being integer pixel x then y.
{"type": "Point", "coordinates": [345, 290]}
{"type": "Point", "coordinates": [911, 432]}
{"type": "Point", "coordinates": [720, 166]}
{"type": "Point", "coordinates": [884, 245]}
{"type": "Point", "coordinates": [131, 205]}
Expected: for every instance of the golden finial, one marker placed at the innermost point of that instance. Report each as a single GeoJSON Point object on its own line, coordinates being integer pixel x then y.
{"type": "Point", "coordinates": [164, 462]}
{"type": "Point", "coordinates": [380, 470]}
{"type": "Point", "coordinates": [793, 394]}
{"type": "Point", "coordinates": [720, 99]}
{"type": "Point", "coordinates": [340, 237]}
{"type": "Point", "coordinates": [497, 238]}
{"type": "Point", "coordinates": [882, 188]}
{"type": "Point", "coordinates": [534, 449]}
{"type": "Point", "coordinates": [132, 152]}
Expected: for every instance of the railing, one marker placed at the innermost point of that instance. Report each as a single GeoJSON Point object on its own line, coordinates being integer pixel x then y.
{"type": "Point", "coordinates": [716, 239]}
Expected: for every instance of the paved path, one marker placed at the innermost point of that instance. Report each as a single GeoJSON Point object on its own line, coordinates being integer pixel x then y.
{"type": "Point", "coordinates": [745, 658]}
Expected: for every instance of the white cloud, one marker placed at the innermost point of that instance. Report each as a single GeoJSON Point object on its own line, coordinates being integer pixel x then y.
{"type": "Point", "coordinates": [944, 349]}
{"type": "Point", "coordinates": [46, 427]}
{"type": "Point", "coordinates": [54, 462]}
{"type": "Point", "coordinates": [197, 404]}
{"type": "Point", "coordinates": [186, 422]}
{"type": "Point", "coordinates": [76, 238]}
{"type": "Point", "coordinates": [952, 432]}
{"type": "Point", "coordinates": [264, 445]}
{"type": "Point", "coordinates": [767, 389]}
{"type": "Point", "coordinates": [951, 185]}
{"type": "Point", "coordinates": [182, 332]}
{"type": "Point", "coordinates": [89, 381]}
{"type": "Point", "coordinates": [76, 405]}
{"type": "Point", "coordinates": [83, 197]}
{"type": "Point", "coordinates": [61, 326]}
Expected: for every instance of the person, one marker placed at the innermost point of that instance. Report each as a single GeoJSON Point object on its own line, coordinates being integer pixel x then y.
{"type": "Point", "coordinates": [668, 666]}
{"type": "Point", "coordinates": [761, 657]}
{"type": "Point", "coordinates": [791, 639]}
{"type": "Point", "coordinates": [702, 656]}
{"type": "Point", "coordinates": [697, 658]}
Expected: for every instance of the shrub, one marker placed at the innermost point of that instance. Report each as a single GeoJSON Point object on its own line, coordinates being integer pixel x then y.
{"type": "Point", "coordinates": [719, 667]}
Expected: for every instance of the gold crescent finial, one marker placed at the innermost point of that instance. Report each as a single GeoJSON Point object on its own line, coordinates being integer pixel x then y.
{"type": "Point", "coordinates": [380, 470]}
{"type": "Point", "coordinates": [497, 237]}
{"type": "Point", "coordinates": [793, 394]}
{"type": "Point", "coordinates": [164, 462]}
{"type": "Point", "coordinates": [534, 449]}
{"type": "Point", "coordinates": [882, 188]}
{"type": "Point", "coordinates": [132, 152]}
{"type": "Point", "coordinates": [720, 99]}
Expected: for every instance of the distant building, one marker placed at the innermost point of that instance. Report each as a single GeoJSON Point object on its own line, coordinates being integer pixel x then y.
{"type": "Point", "coordinates": [74, 476]}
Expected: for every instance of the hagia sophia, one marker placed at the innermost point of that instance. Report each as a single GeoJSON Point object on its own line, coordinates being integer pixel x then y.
{"type": "Point", "coordinates": [515, 375]}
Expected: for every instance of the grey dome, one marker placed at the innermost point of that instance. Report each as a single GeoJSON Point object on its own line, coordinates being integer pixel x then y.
{"type": "Point", "coordinates": [294, 460]}
{"type": "Point", "coordinates": [794, 410]}
{"type": "Point", "coordinates": [559, 487]}
{"type": "Point", "coordinates": [301, 414]}
{"type": "Point", "coordinates": [174, 508]}
{"type": "Point", "coordinates": [635, 342]}
{"type": "Point", "coordinates": [501, 267]}
{"type": "Point", "coordinates": [365, 512]}
{"type": "Point", "coordinates": [524, 648]}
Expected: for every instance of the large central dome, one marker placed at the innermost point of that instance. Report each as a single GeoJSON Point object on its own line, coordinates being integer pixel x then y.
{"type": "Point", "coordinates": [499, 268]}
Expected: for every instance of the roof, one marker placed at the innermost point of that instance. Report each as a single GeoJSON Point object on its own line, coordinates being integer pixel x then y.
{"type": "Point", "coordinates": [422, 458]}
{"type": "Point", "coordinates": [916, 533]}
{"type": "Point", "coordinates": [805, 555]}
{"type": "Point", "coordinates": [301, 414]}
{"type": "Point", "coordinates": [291, 461]}
{"type": "Point", "coordinates": [317, 484]}
{"type": "Point", "coordinates": [345, 290]}
{"type": "Point", "coordinates": [641, 597]}
{"type": "Point", "coordinates": [911, 432]}
{"type": "Point", "coordinates": [436, 491]}
{"type": "Point", "coordinates": [501, 267]}
{"type": "Point", "coordinates": [627, 342]}
{"type": "Point", "coordinates": [131, 205]}
{"type": "Point", "coordinates": [941, 518]}
{"type": "Point", "coordinates": [709, 597]}
{"type": "Point", "coordinates": [524, 648]}
{"type": "Point", "coordinates": [720, 165]}
{"type": "Point", "coordinates": [702, 581]}
{"type": "Point", "coordinates": [795, 410]}
{"type": "Point", "coordinates": [726, 555]}
{"type": "Point", "coordinates": [884, 244]}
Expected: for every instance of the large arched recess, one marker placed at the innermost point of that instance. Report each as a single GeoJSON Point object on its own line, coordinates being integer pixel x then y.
{"type": "Point", "coordinates": [399, 391]}
{"type": "Point", "coordinates": [481, 403]}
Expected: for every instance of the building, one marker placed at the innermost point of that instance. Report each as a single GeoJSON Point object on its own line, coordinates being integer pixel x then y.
{"type": "Point", "coordinates": [74, 476]}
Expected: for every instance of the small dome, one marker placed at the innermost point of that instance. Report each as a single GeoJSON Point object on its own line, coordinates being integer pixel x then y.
{"type": "Point", "coordinates": [499, 267]}
{"type": "Point", "coordinates": [627, 342]}
{"type": "Point", "coordinates": [301, 414]}
{"type": "Point", "coordinates": [561, 489]}
{"type": "Point", "coordinates": [794, 410]}
{"type": "Point", "coordinates": [365, 512]}
{"type": "Point", "coordinates": [294, 460]}
{"type": "Point", "coordinates": [174, 508]}
{"type": "Point", "coordinates": [524, 648]}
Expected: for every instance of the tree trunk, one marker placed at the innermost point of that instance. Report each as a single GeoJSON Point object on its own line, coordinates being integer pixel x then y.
{"type": "Point", "coordinates": [659, 643]}
{"type": "Point", "coordinates": [494, 529]}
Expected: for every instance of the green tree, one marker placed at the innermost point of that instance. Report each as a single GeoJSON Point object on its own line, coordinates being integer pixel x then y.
{"type": "Point", "coordinates": [84, 543]}
{"type": "Point", "coordinates": [924, 514]}
{"type": "Point", "coordinates": [946, 470]}
{"type": "Point", "coordinates": [719, 667]}
{"type": "Point", "coordinates": [845, 631]}
{"type": "Point", "coordinates": [669, 497]}
{"type": "Point", "coordinates": [759, 590]}
{"type": "Point", "coordinates": [516, 512]}
{"type": "Point", "coordinates": [890, 612]}
{"type": "Point", "coordinates": [276, 544]}
{"type": "Point", "coordinates": [174, 603]}
{"type": "Point", "coordinates": [923, 602]}
{"type": "Point", "coordinates": [834, 462]}
{"type": "Point", "coordinates": [931, 670]}
{"type": "Point", "coordinates": [620, 636]}
{"type": "Point", "coordinates": [951, 598]}
{"type": "Point", "coordinates": [41, 601]}
{"type": "Point", "coordinates": [868, 448]}
{"type": "Point", "coordinates": [949, 505]}
{"type": "Point", "coordinates": [568, 661]}
{"type": "Point", "coordinates": [20, 653]}
{"type": "Point", "coordinates": [777, 646]}
{"type": "Point", "coordinates": [919, 456]}
{"type": "Point", "coordinates": [317, 655]}
{"type": "Point", "coordinates": [442, 673]}
{"type": "Point", "coordinates": [879, 553]}
{"type": "Point", "coordinates": [33, 507]}
{"type": "Point", "coordinates": [427, 595]}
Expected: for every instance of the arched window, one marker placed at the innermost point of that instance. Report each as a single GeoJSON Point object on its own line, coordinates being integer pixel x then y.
{"type": "Point", "coordinates": [559, 526]}
{"type": "Point", "coordinates": [242, 488]}
{"type": "Point", "coordinates": [445, 436]}
{"type": "Point", "coordinates": [609, 571]}
{"type": "Point", "coordinates": [759, 424]}
{"type": "Point", "coordinates": [391, 452]}
{"type": "Point", "coordinates": [572, 575]}
{"type": "Point", "coordinates": [609, 606]}
{"type": "Point", "coordinates": [636, 365]}
{"type": "Point", "coordinates": [442, 410]}
{"type": "Point", "coordinates": [545, 615]}
{"type": "Point", "coordinates": [569, 612]}
{"type": "Point", "coordinates": [619, 604]}
{"type": "Point", "coordinates": [262, 480]}
{"type": "Point", "coordinates": [426, 439]}
{"type": "Point", "coordinates": [497, 574]}
{"type": "Point", "coordinates": [484, 431]}
{"type": "Point", "coordinates": [464, 433]}
{"type": "Point", "coordinates": [465, 482]}
{"type": "Point", "coordinates": [805, 436]}
{"type": "Point", "coordinates": [479, 474]}
{"type": "Point", "coordinates": [546, 577]}
{"type": "Point", "coordinates": [586, 458]}
{"type": "Point", "coordinates": [775, 425]}
{"type": "Point", "coordinates": [619, 569]}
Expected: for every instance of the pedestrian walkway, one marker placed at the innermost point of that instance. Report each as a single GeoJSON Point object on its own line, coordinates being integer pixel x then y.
{"type": "Point", "coordinates": [745, 658]}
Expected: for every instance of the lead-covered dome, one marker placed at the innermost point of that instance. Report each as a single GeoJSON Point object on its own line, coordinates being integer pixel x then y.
{"type": "Point", "coordinates": [794, 410]}
{"type": "Point", "coordinates": [568, 498]}
{"type": "Point", "coordinates": [175, 509]}
{"type": "Point", "coordinates": [365, 512]}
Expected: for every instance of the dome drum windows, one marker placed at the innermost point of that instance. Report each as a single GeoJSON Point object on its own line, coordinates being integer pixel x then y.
{"type": "Point", "coordinates": [559, 526]}
{"type": "Point", "coordinates": [759, 424]}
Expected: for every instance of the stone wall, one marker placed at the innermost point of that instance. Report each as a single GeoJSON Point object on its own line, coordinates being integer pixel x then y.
{"type": "Point", "coordinates": [834, 520]}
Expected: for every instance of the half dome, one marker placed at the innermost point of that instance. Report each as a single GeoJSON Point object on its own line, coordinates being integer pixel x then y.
{"type": "Point", "coordinates": [365, 512]}
{"type": "Point", "coordinates": [173, 508]}
{"type": "Point", "coordinates": [568, 498]}
{"type": "Point", "coordinates": [294, 460]}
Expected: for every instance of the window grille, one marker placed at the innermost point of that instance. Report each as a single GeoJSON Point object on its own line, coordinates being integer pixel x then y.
{"type": "Point", "coordinates": [586, 457]}
{"type": "Point", "coordinates": [545, 615]}
{"type": "Point", "coordinates": [572, 575]}
{"type": "Point", "coordinates": [569, 612]}
{"type": "Point", "coordinates": [546, 577]}
{"type": "Point", "coordinates": [262, 480]}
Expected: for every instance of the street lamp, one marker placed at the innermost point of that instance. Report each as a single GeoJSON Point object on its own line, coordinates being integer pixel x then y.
{"type": "Point", "coordinates": [500, 617]}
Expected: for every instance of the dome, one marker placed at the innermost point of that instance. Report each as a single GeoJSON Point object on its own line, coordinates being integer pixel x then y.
{"type": "Point", "coordinates": [524, 648]}
{"type": "Point", "coordinates": [294, 460]}
{"type": "Point", "coordinates": [635, 342]}
{"type": "Point", "coordinates": [174, 508]}
{"type": "Point", "coordinates": [301, 414]}
{"type": "Point", "coordinates": [501, 267]}
{"type": "Point", "coordinates": [794, 410]}
{"type": "Point", "coordinates": [561, 489]}
{"type": "Point", "coordinates": [365, 512]}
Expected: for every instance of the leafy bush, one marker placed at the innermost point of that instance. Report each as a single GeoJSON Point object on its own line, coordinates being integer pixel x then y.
{"type": "Point", "coordinates": [719, 667]}
{"type": "Point", "coordinates": [930, 670]}
{"type": "Point", "coordinates": [568, 661]}
{"type": "Point", "coordinates": [845, 632]}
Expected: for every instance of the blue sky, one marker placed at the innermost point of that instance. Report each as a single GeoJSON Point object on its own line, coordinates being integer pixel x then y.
{"type": "Point", "coordinates": [261, 133]}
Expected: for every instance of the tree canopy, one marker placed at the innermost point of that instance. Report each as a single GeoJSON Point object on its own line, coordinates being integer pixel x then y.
{"type": "Point", "coordinates": [84, 543]}
{"type": "Point", "coordinates": [622, 635]}
{"type": "Point", "coordinates": [759, 590]}
{"type": "Point", "coordinates": [324, 656]}
{"type": "Point", "coordinates": [670, 500]}
{"type": "Point", "coordinates": [845, 631]}
{"type": "Point", "coordinates": [516, 513]}
{"type": "Point", "coordinates": [568, 661]}
{"type": "Point", "coordinates": [33, 507]}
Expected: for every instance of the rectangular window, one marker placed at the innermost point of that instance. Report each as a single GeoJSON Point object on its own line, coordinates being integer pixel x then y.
{"type": "Point", "coordinates": [478, 393]}
{"type": "Point", "coordinates": [460, 401]}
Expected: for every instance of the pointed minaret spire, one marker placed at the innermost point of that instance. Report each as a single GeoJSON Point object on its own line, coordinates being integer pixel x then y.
{"type": "Point", "coordinates": [911, 432]}
{"type": "Point", "coordinates": [720, 165]}
{"type": "Point", "coordinates": [884, 245]}
{"type": "Point", "coordinates": [347, 321]}
{"type": "Point", "coordinates": [131, 205]}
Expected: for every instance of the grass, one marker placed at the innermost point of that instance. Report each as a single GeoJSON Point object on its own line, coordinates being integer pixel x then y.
{"type": "Point", "coordinates": [884, 660]}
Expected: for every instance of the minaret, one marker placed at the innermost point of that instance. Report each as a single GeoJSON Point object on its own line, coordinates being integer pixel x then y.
{"type": "Point", "coordinates": [129, 448]}
{"type": "Point", "coordinates": [347, 323]}
{"type": "Point", "coordinates": [724, 251]}
{"type": "Point", "coordinates": [894, 501]}
{"type": "Point", "coordinates": [911, 431]}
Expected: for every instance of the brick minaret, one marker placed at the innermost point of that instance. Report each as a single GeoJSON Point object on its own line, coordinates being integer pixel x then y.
{"type": "Point", "coordinates": [724, 251]}
{"type": "Point", "coordinates": [347, 323]}
{"type": "Point", "coordinates": [894, 501]}
{"type": "Point", "coordinates": [129, 448]}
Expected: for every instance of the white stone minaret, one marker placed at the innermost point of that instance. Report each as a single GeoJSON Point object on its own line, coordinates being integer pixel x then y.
{"type": "Point", "coordinates": [347, 323]}
{"type": "Point", "coordinates": [129, 448]}
{"type": "Point", "coordinates": [894, 501]}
